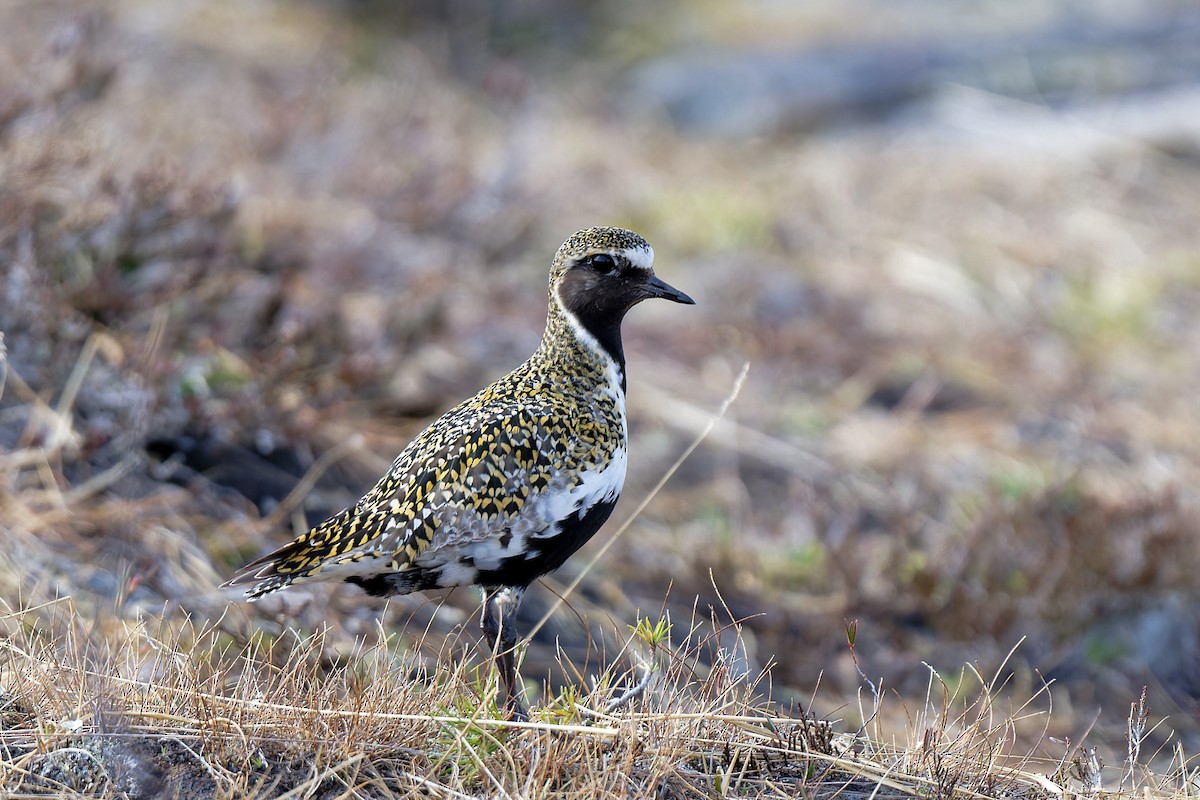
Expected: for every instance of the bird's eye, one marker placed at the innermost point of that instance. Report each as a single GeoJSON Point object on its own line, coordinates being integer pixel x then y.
{"type": "Point", "coordinates": [603, 263]}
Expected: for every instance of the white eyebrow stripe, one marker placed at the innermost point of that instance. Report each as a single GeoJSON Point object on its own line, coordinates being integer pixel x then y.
{"type": "Point", "coordinates": [640, 257]}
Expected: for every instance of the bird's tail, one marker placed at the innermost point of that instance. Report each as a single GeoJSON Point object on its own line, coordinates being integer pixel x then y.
{"type": "Point", "coordinates": [297, 561]}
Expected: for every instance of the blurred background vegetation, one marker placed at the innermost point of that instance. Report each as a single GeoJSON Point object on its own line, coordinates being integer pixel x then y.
{"type": "Point", "coordinates": [956, 242]}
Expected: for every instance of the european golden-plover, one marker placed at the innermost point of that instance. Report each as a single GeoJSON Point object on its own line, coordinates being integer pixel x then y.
{"type": "Point", "coordinates": [506, 486]}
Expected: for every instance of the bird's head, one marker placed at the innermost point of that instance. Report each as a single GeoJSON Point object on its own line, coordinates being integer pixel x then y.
{"type": "Point", "coordinates": [600, 273]}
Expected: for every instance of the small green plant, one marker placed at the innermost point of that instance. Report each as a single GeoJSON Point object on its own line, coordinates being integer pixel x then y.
{"type": "Point", "coordinates": [654, 633]}
{"type": "Point", "coordinates": [563, 709]}
{"type": "Point", "coordinates": [465, 744]}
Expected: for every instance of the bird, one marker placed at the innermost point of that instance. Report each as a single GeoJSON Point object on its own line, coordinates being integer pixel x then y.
{"type": "Point", "coordinates": [504, 487]}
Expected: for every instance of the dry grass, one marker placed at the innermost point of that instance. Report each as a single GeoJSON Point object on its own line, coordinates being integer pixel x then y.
{"type": "Point", "coordinates": [164, 710]}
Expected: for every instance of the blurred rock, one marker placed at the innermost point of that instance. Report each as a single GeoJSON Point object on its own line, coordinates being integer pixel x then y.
{"type": "Point", "coordinates": [1160, 638]}
{"type": "Point", "coordinates": [739, 91]}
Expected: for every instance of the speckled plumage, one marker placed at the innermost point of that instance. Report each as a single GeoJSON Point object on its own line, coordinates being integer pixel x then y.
{"type": "Point", "coordinates": [505, 486]}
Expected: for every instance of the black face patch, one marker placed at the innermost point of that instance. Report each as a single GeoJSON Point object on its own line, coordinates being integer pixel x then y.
{"type": "Point", "coordinates": [599, 299]}
{"type": "Point", "coordinates": [602, 291]}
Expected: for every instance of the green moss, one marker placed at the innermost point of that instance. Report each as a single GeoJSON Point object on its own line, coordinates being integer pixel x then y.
{"type": "Point", "coordinates": [1016, 482]}
{"type": "Point", "coordinates": [1100, 649]}
{"type": "Point", "coordinates": [803, 565]}
{"type": "Point", "coordinates": [1101, 312]}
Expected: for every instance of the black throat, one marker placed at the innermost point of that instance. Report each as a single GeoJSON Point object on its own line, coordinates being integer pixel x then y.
{"type": "Point", "coordinates": [598, 314]}
{"type": "Point", "coordinates": [608, 334]}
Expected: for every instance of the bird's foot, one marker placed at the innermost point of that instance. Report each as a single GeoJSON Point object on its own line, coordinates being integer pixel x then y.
{"type": "Point", "coordinates": [516, 710]}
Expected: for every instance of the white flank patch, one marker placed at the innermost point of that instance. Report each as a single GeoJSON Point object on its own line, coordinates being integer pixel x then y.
{"type": "Point", "coordinates": [340, 570]}
{"type": "Point", "coordinates": [455, 573]}
{"type": "Point", "coordinates": [595, 486]}
{"type": "Point", "coordinates": [462, 534]}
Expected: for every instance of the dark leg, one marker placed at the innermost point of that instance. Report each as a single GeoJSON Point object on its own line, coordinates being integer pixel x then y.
{"type": "Point", "coordinates": [500, 630]}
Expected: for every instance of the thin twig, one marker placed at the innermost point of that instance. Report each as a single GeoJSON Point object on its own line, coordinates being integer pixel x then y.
{"type": "Point", "coordinates": [635, 691]}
